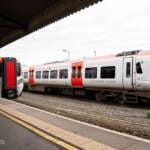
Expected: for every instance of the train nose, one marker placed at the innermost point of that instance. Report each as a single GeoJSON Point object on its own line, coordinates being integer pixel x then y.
{"type": "Point", "coordinates": [11, 93]}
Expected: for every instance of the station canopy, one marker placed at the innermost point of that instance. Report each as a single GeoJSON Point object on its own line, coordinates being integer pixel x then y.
{"type": "Point", "coordinates": [21, 17]}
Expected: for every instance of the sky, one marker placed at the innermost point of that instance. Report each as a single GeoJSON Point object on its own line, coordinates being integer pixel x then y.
{"type": "Point", "coordinates": [108, 27]}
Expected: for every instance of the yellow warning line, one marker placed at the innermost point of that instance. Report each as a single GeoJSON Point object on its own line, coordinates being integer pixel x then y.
{"type": "Point", "coordinates": [40, 133]}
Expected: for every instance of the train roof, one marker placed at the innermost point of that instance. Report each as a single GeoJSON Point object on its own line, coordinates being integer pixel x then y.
{"type": "Point", "coordinates": [122, 54]}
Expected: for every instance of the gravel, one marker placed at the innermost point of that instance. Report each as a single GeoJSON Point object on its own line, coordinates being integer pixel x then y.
{"type": "Point", "coordinates": [128, 119]}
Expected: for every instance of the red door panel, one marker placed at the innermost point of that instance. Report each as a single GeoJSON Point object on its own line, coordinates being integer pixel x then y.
{"type": "Point", "coordinates": [76, 76]}
{"type": "Point", "coordinates": [31, 76]}
{"type": "Point", "coordinates": [10, 75]}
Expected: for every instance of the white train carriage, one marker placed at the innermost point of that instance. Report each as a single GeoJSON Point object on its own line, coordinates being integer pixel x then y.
{"type": "Point", "coordinates": [124, 77]}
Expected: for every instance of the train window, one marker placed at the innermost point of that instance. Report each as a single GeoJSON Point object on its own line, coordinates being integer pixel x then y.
{"type": "Point", "coordinates": [63, 74]}
{"type": "Point", "coordinates": [73, 72]}
{"type": "Point", "coordinates": [91, 72]}
{"type": "Point", "coordinates": [108, 72]}
{"type": "Point", "coordinates": [53, 74]}
{"type": "Point", "coordinates": [25, 75]}
{"type": "Point", "coordinates": [79, 72]}
{"type": "Point", "coordinates": [1, 69]}
{"type": "Point", "coordinates": [18, 69]}
{"type": "Point", "coordinates": [45, 74]}
{"type": "Point", "coordinates": [128, 69]}
{"type": "Point", "coordinates": [139, 68]}
{"type": "Point", "coordinates": [38, 75]}
{"type": "Point", "coordinates": [31, 74]}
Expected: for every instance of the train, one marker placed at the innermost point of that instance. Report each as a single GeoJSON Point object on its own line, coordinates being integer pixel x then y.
{"type": "Point", "coordinates": [122, 77]}
{"type": "Point", "coordinates": [11, 79]}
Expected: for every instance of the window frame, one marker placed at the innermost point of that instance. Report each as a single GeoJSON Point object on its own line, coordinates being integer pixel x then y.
{"type": "Point", "coordinates": [79, 74]}
{"type": "Point", "coordinates": [55, 77]}
{"type": "Point", "coordinates": [31, 74]}
{"type": "Point", "coordinates": [87, 74]}
{"type": "Point", "coordinates": [61, 76]}
{"type": "Point", "coordinates": [45, 71]}
{"type": "Point", "coordinates": [73, 72]}
{"type": "Point", "coordinates": [1, 69]}
{"type": "Point", "coordinates": [25, 77]}
{"type": "Point", "coordinates": [36, 73]}
{"type": "Point", "coordinates": [140, 67]}
{"type": "Point", "coordinates": [18, 69]}
{"type": "Point", "coordinates": [128, 69]}
{"type": "Point", "coordinates": [107, 77]}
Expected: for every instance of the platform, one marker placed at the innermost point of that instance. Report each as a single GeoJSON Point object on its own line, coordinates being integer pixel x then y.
{"type": "Point", "coordinates": [75, 133]}
{"type": "Point", "coordinates": [16, 137]}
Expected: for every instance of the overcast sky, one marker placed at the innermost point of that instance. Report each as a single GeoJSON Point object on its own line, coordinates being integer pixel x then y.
{"type": "Point", "coordinates": [108, 27]}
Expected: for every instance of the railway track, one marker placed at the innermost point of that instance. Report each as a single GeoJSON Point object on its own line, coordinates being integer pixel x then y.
{"type": "Point", "coordinates": [92, 100]}
{"type": "Point", "coordinates": [128, 118]}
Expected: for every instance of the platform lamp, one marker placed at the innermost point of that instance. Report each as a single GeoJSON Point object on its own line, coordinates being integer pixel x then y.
{"type": "Point", "coordinates": [67, 51]}
{"type": "Point", "coordinates": [94, 53]}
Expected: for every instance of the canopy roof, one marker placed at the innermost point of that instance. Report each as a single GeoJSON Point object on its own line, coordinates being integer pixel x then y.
{"type": "Point", "coordinates": [21, 17]}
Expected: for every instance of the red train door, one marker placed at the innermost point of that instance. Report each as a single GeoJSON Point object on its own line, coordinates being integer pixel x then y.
{"type": "Point", "coordinates": [10, 74]}
{"type": "Point", "coordinates": [76, 76]}
{"type": "Point", "coordinates": [31, 75]}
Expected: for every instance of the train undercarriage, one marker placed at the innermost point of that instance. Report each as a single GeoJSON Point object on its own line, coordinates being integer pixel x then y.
{"type": "Point", "coordinates": [100, 95]}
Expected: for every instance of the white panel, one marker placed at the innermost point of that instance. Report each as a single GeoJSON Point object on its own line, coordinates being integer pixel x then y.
{"type": "Point", "coordinates": [104, 83]}
{"type": "Point", "coordinates": [57, 66]}
{"type": "Point", "coordinates": [143, 80]}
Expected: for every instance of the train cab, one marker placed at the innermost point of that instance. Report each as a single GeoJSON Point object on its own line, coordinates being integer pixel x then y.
{"type": "Point", "coordinates": [8, 77]}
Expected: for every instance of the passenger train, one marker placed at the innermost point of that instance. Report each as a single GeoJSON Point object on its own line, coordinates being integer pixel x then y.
{"type": "Point", "coordinates": [11, 80]}
{"type": "Point", "coordinates": [124, 77]}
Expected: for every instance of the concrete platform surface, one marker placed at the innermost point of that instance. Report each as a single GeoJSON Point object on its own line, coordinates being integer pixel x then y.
{"type": "Point", "coordinates": [9, 131]}
{"type": "Point", "coordinates": [80, 134]}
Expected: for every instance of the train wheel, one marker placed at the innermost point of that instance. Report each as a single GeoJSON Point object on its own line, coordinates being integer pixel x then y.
{"type": "Point", "coordinates": [99, 97]}
{"type": "Point", "coordinates": [47, 90]}
{"type": "Point", "coordinates": [121, 99]}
